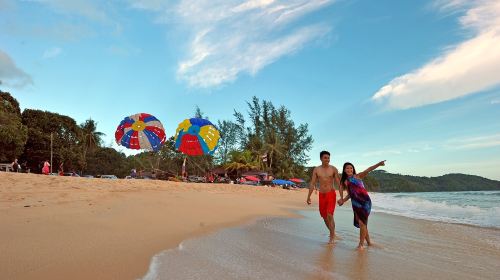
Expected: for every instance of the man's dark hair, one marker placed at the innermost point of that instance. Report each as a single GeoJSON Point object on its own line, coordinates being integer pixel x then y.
{"type": "Point", "coordinates": [323, 153]}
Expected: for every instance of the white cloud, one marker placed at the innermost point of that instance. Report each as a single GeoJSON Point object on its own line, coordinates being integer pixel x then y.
{"type": "Point", "coordinates": [467, 68]}
{"type": "Point", "coordinates": [51, 53]}
{"type": "Point", "coordinates": [10, 74]}
{"type": "Point", "coordinates": [228, 38]}
{"type": "Point", "coordinates": [476, 142]}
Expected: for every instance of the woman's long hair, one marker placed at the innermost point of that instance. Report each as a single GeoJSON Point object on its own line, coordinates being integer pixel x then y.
{"type": "Point", "coordinates": [344, 174]}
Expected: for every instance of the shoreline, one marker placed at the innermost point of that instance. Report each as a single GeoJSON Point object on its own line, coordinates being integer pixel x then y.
{"type": "Point", "coordinates": [113, 228]}
{"type": "Point", "coordinates": [295, 248]}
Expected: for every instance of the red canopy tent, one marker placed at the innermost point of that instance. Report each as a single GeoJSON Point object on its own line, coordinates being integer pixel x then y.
{"type": "Point", "coordinates": [297, 180]}
{"type": "Point", "coordinates": [252, 178]}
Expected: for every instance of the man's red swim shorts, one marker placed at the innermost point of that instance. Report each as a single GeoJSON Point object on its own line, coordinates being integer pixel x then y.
{"type": "Point", "coordinates": [327, 203]}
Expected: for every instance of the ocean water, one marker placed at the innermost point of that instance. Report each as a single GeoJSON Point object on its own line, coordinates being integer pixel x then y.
{"type": "Point", "coordinates": [478, 208]}
{"type": "Point", "coordinates": [295, 248]}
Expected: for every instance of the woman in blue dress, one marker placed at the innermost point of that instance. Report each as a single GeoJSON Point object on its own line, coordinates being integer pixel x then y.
{"type": "Point", "coordinates": [360, 200]}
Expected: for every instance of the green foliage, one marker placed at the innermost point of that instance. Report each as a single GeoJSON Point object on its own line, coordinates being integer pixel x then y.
{"type": "Point", "coordinates": [241, 161]}
{"type": "Point", "coordinates": [451, 182]}
{"type": "Point", "coordinates": [107, 161]}
{"type": "Point", "coordinates": [371, 184]}
{"type": "Point", "coordinates": [270, 134]}
{"type": "Point", "coordinates": [13, 134]}
{"type": "Point", "coordinates": [66, 139]}
{"type": "Point", "coordinates": [230, 133]}
{"type": "Point", "coordinates": [275, 142]}
{"type": "Point", "coordinates": [165, 159]}
{"type": "Point", "coordinates": [90, 137]}
{"type": "Point", "coordinates": [199, 114]}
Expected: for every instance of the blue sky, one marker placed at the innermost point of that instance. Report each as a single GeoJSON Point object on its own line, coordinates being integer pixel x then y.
{"type": "Point", "coordinates": [414, 82]}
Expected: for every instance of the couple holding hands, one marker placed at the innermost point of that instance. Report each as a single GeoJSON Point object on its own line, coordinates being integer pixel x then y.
{"type": "Point", "coordinates": [352, 182]}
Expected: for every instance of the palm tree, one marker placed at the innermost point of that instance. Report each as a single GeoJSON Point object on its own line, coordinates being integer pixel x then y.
{"type": "Point", "coordinates": [89, 138]}
{"type": "Point", "coordinates": [241, 161]}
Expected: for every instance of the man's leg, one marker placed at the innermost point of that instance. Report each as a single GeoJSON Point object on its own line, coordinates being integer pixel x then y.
{"type": "Point", "coordinates": [327, 223]}
{"type": "Point", "coordinates": [331, 227]}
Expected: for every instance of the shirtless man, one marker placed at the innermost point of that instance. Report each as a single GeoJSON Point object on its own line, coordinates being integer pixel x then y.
{"type": "Point", "coordinates": [325, 174]}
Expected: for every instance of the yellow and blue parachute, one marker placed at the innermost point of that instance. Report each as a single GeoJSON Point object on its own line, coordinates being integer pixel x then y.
{"type": "Point", "coordinates": [196, 137]}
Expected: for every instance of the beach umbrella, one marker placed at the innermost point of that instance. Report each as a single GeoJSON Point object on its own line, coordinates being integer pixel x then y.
{"type": "Point", "coordinates": [140, 132]}
{"type": "Point", "coordinates": [297, 180]}
{"type": "Point", "coordinates": [196, 137]}
{"type": "Point", "coordinates": [282, 182]}
{"type": "Point", "coordinates": [252, 178]}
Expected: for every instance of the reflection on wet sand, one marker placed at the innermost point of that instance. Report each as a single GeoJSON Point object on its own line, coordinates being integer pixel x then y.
{"type": "Point", "coordinates": [325, 263]}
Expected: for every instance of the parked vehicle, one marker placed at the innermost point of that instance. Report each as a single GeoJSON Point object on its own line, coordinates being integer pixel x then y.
{"type": "Point", "coordinates": [196, 179]}
{"type": "Point", "coordinates": [113, 177]}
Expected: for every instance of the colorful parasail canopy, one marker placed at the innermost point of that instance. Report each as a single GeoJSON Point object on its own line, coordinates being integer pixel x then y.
{"type": "Point", "coordinates": [196, 137]}
{"type": "Point", "coordinates": [140, 132]}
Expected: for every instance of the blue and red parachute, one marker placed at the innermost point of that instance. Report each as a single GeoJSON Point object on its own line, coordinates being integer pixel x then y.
{"type": "Point", "coordinates": [140, 132]}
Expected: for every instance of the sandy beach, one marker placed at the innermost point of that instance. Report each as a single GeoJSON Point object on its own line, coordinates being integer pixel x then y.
{"type": "Point", "coordinates": [78, 228]}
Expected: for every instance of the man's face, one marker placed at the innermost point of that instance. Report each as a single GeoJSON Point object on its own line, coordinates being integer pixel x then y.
{"type": "Point", "coordinates": [325, 159]}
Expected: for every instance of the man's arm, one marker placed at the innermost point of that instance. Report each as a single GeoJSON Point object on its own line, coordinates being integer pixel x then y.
{"type": "Point", "coordinates": [312, 185]}
{"type": "Point", "coordinates": [337, 181]}
{"type": "Point", "coordinates": [370, 169]}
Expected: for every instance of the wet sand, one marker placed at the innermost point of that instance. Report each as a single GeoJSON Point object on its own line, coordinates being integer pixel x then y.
{"type": "Point", "coordinates": [297, 249]}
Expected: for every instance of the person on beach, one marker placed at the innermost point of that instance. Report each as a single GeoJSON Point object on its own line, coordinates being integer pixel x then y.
{"type": "Point", "coordinates": [24, 166]}
{"type": "Point", "coordinates": [15, 166]}
{"type": "Point", "coordinates": [46, 168]}
{"type": "Point", "coordinates": [184, 174]}
{"type": "Point", "coordinates": [360, 200]}
{"type": "Point", "coordinates": [325, 174]}
{"type": "Point", "coordinates": [61, 169]}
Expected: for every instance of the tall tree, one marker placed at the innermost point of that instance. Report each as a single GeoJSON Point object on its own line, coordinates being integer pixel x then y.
{"type": "Point", "coordinates": [198, 113]}
{"type": "Point", "coordinates": [66, 139]}
{"type": "Point", "coordinates": [229, 133]}
{"type": "Point", "coordinates": [273, 135]}
{"type": "Point", "coordinates": [107, 161]}
{"type": "Point", "coordinates": [90, 139]}
{"type": "Point", "coordinates": [13, 134]}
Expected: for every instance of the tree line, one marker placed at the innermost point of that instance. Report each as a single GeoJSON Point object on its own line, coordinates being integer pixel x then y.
{"type": "Point", "coordinates": [263, 138]}
{"type": "Point", "coordinates": [381, 181]}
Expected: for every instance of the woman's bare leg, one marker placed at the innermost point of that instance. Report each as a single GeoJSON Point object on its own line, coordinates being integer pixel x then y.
{"type": "Point", "coordinates": [363, 232]}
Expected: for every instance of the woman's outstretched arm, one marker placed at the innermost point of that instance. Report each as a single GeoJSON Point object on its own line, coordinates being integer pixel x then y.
{"type": "Point", "coordinates": [370, 169]}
